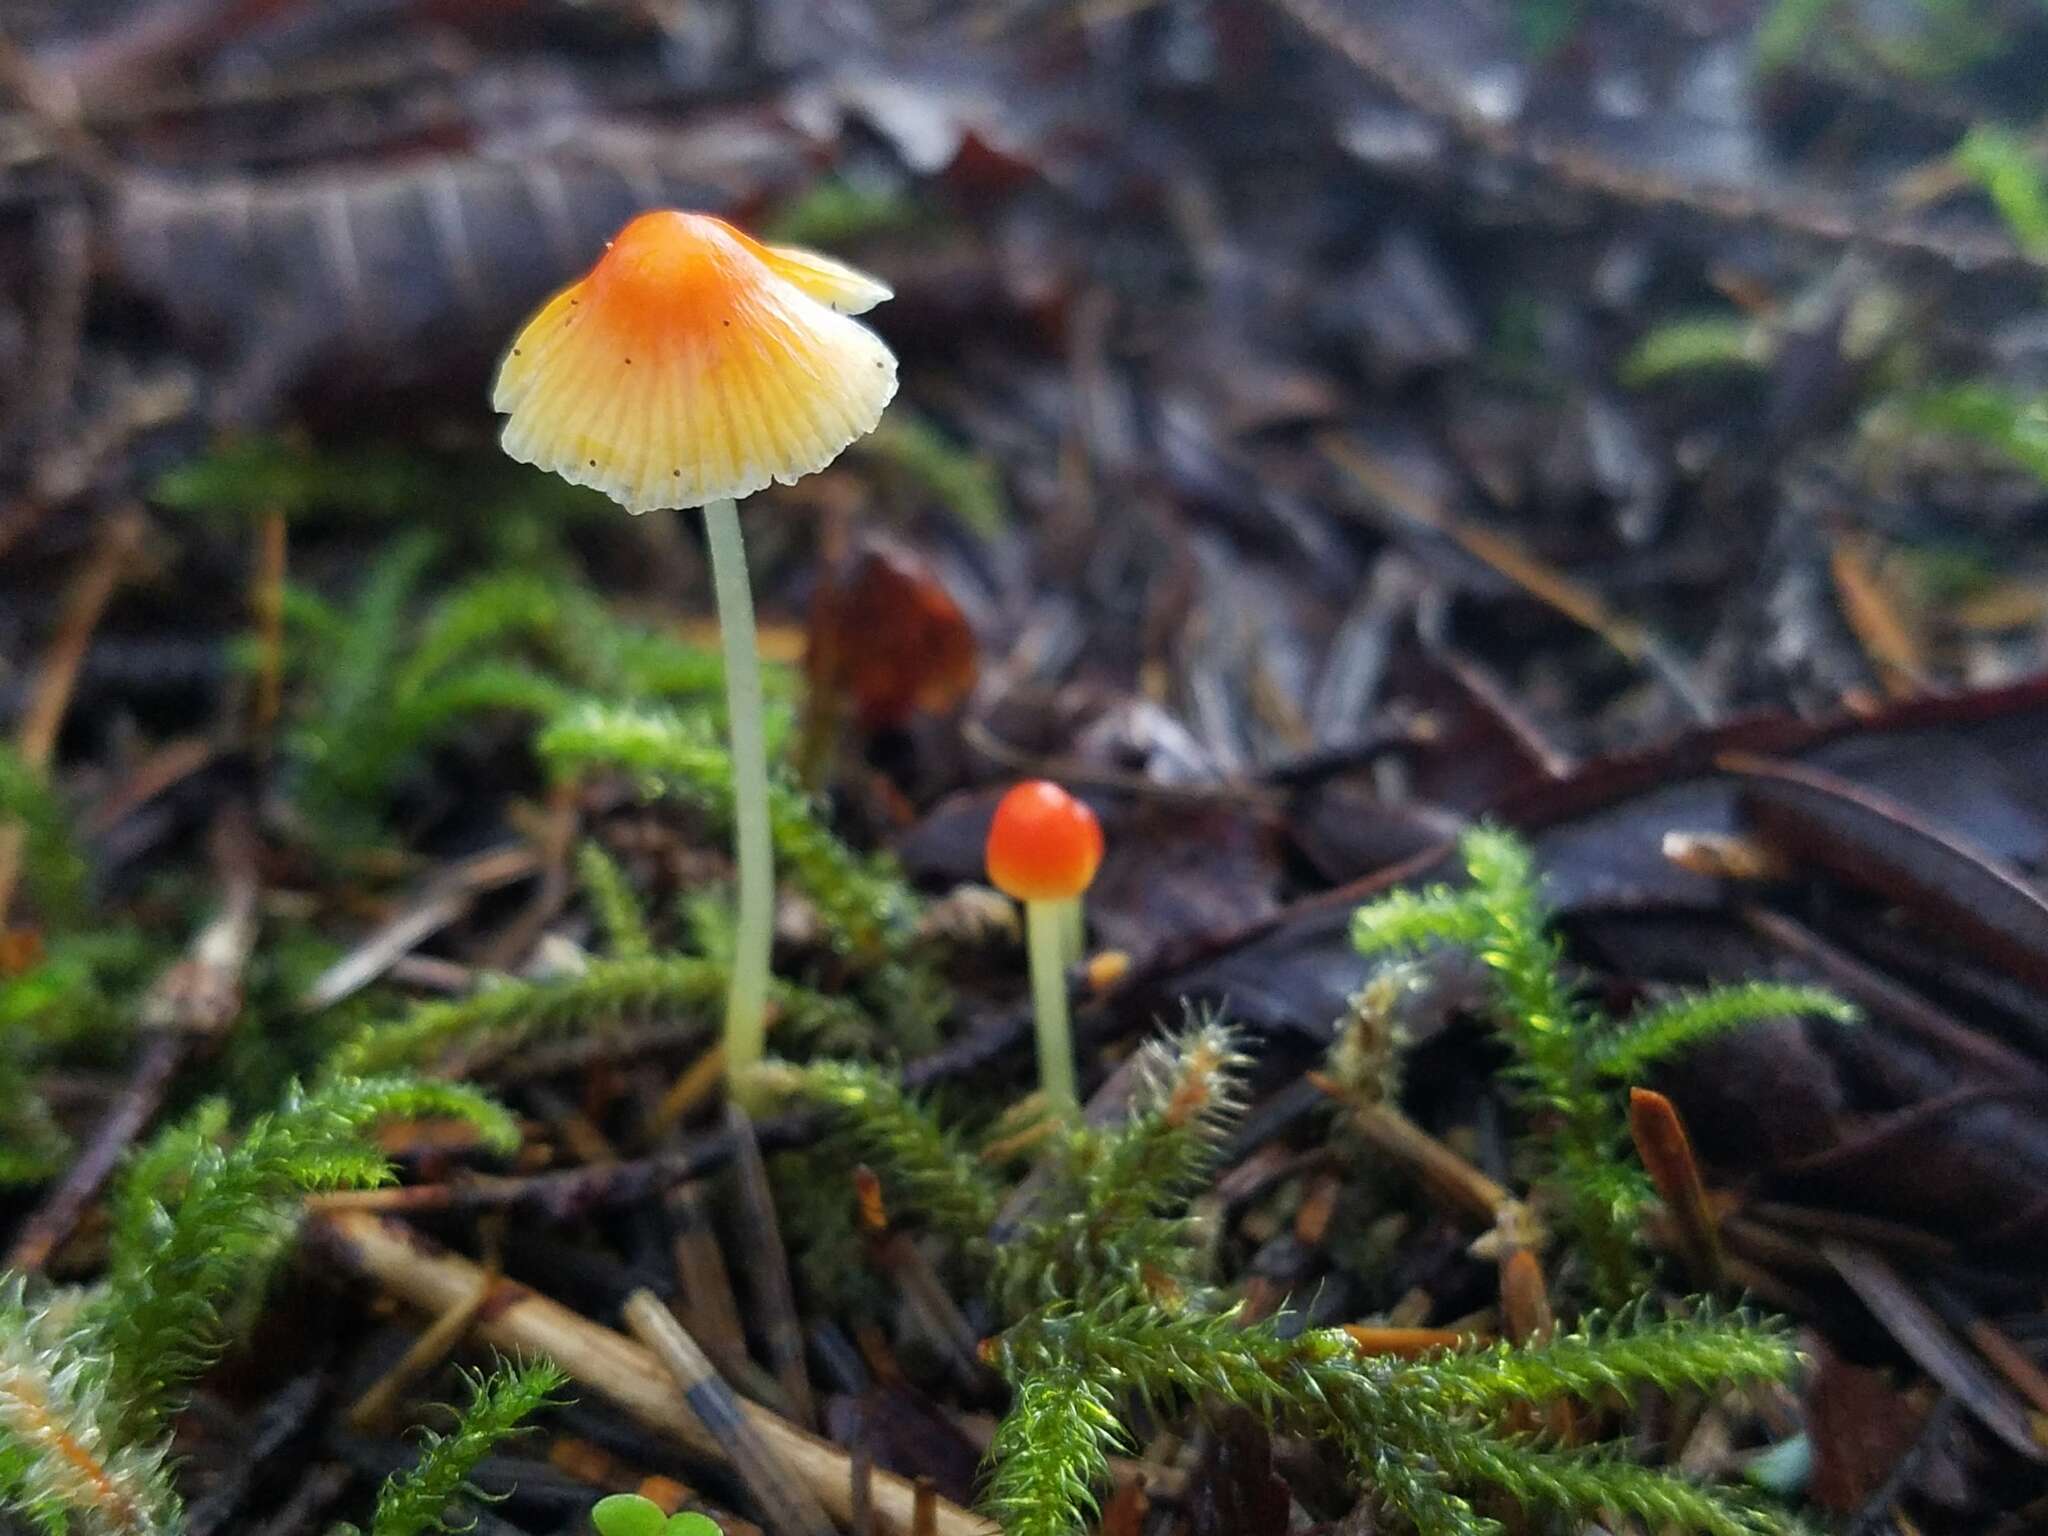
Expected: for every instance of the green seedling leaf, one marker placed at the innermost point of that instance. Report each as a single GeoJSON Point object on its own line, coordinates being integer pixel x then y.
{"type": "Point", "coordinates": [690, 1523]}
{"type": "Point", "coordinates": [629, 1514]}
{"type": "Point", "coordinates": [2008, 168]}
{"type": "Point", "coordinates": [1695, 343]}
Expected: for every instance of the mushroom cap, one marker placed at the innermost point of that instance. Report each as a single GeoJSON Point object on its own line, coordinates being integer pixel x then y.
{"type": "Point", "coordinates": [1043, 845]}
{"type": "Point", "coordinates": [694, 363]}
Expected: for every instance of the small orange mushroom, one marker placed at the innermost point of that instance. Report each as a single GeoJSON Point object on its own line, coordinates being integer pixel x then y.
{"type": "Point", "coordinates": [1044, 847]}
{"type": "Point", "coordinates": [692, 366]}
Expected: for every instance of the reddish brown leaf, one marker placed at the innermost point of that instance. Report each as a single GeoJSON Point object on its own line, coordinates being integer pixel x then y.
{"type": "Point", "coordinates": [887, 638]}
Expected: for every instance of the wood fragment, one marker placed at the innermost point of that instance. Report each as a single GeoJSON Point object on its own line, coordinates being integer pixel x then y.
{"type": "Point", "coordinates": [1405, 1343]}
{"type": "Point", "coordinates": [1877, 618]}
{"type": "Point", "coordinates": [413, 1267]}
{"type": "Point", "coordinates": [896, 1256]}
{"type": "Point", "coordinates": [374, 1412]}
{"type": "Point", "coordinates": [771, 1291]}
{"type": "Point", "coordinates": [790, 1508]}
{"type": "Point", "coordinates": [709, 1308]}
{"type": "Point", "coordinates": [693, 1086]}
{"type": "Point", "coordinates": [1725, 856]}
{"type": "Point", "coordinates": [1919, 1331]}
{"type": "Point", "coordinates": [1666, 1153]}
{"type": "Point", "coordinates": [861, 1519]}
{"type": "Point", "coordinates": [1442, 1169]}
{"type": "Point", "coordinates": [1124, 1514]}
{"type": "Point", "coordinates": [2012, 1362]}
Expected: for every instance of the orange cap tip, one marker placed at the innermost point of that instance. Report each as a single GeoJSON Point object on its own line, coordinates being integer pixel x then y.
{"type": "Point", "coordinates": [1043, 845]}
{"type": "Point", "coordinates": [693, 364]}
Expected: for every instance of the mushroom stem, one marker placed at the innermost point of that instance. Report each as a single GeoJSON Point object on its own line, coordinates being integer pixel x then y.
{"type": "Point", "coordinates": [753, 846]}
{"type": "Point", "coordinates": [1074, 931]}
{"type": "Point", "coordinates": [1046, 927]}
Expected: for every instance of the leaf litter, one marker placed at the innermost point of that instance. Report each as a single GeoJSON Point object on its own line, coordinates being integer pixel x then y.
{"type": "Point", "coordinates": [1328, 427]}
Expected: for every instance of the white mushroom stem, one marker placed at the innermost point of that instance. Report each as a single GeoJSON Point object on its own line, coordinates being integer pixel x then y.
{"type": "Point", "coordinates": [746, 1020]}
{"type": "Point", "coordinates": [1048, 930]}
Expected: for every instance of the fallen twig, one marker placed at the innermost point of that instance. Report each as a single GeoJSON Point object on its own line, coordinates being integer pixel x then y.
{"type": "Point", "coordinates": [433, 1279]}
{"type": "Point", "coordinates": [790, 1506]}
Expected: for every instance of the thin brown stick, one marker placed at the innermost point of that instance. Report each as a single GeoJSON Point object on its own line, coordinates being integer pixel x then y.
{"type": "Point", "coordinates": [692, 1087]}
{"type": "Point", "coordinates": [1525, 1312]}
{"type": "Point", "coordinates": [373, 1412]}
{"type": "Point", "coordinates": [708, 1303]}
{"type": "Point", "coordinates": [411, 1266]}
{"type": "Point", "coordinates": [1920, 1332]}
{"type": "Point", "coordinates": [46, 1230]}
{"type": "Point", "coordinates": [768, 1266]}
{"type": "Point", "coordinates": [84, 605]}
{"type": "Point", "coordinates": [791, 1508]}
{"type": "Point", "coordinates": [894, 1254]}
{"type": "Point", "coordinates": [188, 1007]}
{"type": "Point", "coordinates": [2011, 1361]}
{"type": "Point", "coordinates": [1396, 1135]}
{"type": "Point", "coordinates": [444, 900]}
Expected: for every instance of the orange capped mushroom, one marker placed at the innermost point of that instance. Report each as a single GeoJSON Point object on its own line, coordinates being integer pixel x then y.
{"type": "Point", "coordinates": [1044, 845]}
{"type": "Point", "coordinates": [695, 364]}
{"type": "Point", "coordinates": [690, 367]}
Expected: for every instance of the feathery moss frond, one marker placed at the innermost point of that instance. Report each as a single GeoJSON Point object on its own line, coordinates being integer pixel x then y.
{"type": "Point", "coordinates": [501, 610]}
{"type": "Point", "coordinates": [1581, 1481]}
{"type": "Point", "coordinates": [1186, 1101]}
{"type": "Point", "coordinates": [612, 901]}
{"type": "Point", "coordinates": [1316, 1383]}
{"type": "Point", "coordinates": [567, 630]}
{"type": "Point", "coordinates": [502, 643]}
{"type": "Point", "coordinates": [510, 1013]}
{"type": "Point", "coordinates": [32, 1145]}
{"type": "Point", "coordinates": [79, 992]}
{"type": "Point", "coordinates": [66, 1464]}
{"type": "Point", "coordinates": [865, 908]}
{"type": "Point", "coordinates": [415, 1502]}
{"type": "Point", "coordinates": [416, 720]}
{"type": "Point", "coordinates": [1567, 1056]}
{"type": "Point", "coordinates": [83, 990]}
{"type": "Point", "coordinates": [1425, 1436]}
{"type": "Point", "coordinates": [193, 1218]}
{"type": "Point", "coordinates": [1118, 1205]}
{"type": "Point", "coordinates": [1653, 1034]}
{"type": "Point", "coordinates": [1403, 921]}
{"type": "Point", "coordinates": [1051, 1453]}
{"type": "Point", "coordinates": [52, 869]}
{"type": "Point", "coordinates": [937, 1177]}
{"type": "Point", "coordinates": [1602, 1356]}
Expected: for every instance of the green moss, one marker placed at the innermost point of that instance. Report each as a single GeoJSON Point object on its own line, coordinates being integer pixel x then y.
{"type": "Point", "coordinates": [1569, 1058]}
